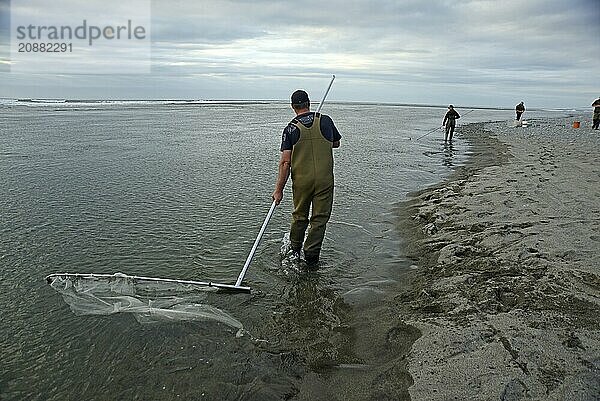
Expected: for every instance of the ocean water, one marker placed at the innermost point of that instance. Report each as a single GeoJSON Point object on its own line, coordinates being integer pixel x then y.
{"type": "Point", "coordinates": [179, 190]}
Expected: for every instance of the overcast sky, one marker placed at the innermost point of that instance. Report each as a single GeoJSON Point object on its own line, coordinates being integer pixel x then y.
{"type": "Point", "coordinates": [480, 52]}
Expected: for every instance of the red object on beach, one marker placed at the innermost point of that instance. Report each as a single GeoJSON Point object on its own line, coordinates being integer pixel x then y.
{"type": "Point", "coordinates": [576, 124]}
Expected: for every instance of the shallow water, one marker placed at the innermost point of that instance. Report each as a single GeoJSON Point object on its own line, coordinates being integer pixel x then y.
{"type": "Point", "coordinates": [180, 191]}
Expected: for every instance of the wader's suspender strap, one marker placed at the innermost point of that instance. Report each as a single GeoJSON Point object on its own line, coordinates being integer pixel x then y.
{"type": "Point", "coordinates": [296, 122]}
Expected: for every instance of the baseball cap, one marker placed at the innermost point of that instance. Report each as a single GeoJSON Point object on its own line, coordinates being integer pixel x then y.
{"type": "Point", "coordinates": [299, 97]}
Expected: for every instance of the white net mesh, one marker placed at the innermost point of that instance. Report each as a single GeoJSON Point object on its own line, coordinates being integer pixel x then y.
{"type": "Point", "coordinates": [148, 301]}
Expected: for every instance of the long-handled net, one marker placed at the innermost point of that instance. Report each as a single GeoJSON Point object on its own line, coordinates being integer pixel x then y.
{"type": "Point", "coordinates": [149, 299]}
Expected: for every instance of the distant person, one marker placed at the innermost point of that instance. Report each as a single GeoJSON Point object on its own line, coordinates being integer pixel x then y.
{"type": "Point", "coordinates": [450, 122]}
{"type": "Point", "coordinates": [596, 118]}
{"type": "Point", "coordinates": [520, 109]}
{"type": "Point", "coordinates": [306, 151]}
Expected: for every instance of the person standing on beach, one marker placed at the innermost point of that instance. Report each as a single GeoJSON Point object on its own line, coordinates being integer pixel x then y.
{"type": "Point", "coordinates": [450, 122]}
{"type": "Point", "coordinates": [306, 152]}
{"type": "Point", "coordinates": [596, 118]}
{"type": "Point", "coordinates": [520, 109]}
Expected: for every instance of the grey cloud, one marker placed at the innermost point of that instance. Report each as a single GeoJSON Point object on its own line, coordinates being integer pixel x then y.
{"type": "Point", "coordinates": [188, 30]}
{"type": "Point", "coordinates": [477, 44]}
{"type": "Point", "coordinates": [4, 35]}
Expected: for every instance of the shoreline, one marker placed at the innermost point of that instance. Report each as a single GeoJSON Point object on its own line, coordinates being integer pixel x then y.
{"type": "Point", "coordinates": [506, 291]}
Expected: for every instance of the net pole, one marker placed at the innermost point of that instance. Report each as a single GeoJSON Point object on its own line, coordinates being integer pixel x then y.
{"type": "Point", "coordinates": [326, 93]}
{"type": "Point", "coordinates": [256, 241]}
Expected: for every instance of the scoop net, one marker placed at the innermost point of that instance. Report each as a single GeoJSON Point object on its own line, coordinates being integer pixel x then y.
{"type": "Point", "coordinates": [149, 300]}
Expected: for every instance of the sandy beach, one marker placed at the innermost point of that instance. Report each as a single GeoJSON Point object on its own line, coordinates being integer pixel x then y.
{"type": "Point", "coordinates": [506, 251]}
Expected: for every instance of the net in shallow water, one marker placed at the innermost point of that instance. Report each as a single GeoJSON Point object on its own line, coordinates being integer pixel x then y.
{"type": "Point", "coordinates": [147, 301]}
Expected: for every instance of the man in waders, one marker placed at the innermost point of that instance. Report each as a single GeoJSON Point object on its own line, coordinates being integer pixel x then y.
{"type": "Point", "coordinates": [450, 123]}
{"type": "Point", "coordinates": [306, 151]}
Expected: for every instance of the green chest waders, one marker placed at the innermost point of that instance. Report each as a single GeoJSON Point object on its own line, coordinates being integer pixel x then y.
{"type": "Point", "coordinates": [312, 184]}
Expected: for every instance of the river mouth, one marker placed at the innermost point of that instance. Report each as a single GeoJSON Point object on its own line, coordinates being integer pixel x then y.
{"type": "Point", "coordinates": [180, 192]}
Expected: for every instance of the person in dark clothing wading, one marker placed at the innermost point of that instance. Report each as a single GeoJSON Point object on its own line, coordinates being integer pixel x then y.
{"type": "Point", "coordinates": [520, 109]}
{"type": "Point", "coordinates": [450, 122]}
{"type": "Point", "coordinates": [306, 153]}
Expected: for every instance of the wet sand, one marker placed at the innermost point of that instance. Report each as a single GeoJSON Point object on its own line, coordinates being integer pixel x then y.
{"type": "Point", "coordinates": [507, 263]}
